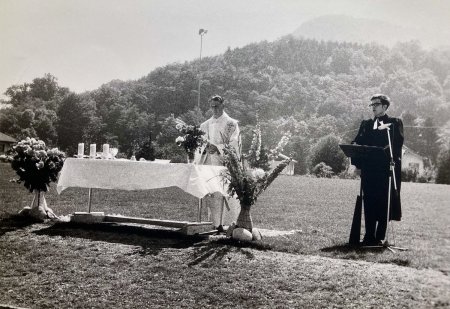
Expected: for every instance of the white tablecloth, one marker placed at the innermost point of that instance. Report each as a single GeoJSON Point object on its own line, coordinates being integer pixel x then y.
{"type": "Point", "coordinates": [197, 180]}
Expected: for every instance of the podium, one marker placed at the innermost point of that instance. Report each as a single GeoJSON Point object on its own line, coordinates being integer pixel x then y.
{"type": "Point", "coordinates": [362, 152]}
{"type": "Point", "coordinates": [357, 154]}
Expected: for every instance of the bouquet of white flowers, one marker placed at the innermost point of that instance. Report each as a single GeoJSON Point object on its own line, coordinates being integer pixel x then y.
{"type": "Point", "coordinates": [192, 137]}
{"type": "Point", "coordinates": [35, 164]}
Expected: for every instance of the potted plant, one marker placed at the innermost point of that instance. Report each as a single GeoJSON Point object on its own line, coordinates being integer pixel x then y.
{"type": "Point", "coordinates": [37, 166]}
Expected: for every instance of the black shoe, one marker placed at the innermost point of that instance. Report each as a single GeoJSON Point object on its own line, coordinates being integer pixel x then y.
{"type": "Point", "coordinates": [369, 242]}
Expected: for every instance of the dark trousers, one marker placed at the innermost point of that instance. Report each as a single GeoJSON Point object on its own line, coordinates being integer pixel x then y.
{"type": "Point", "coordinates": [375, 191]}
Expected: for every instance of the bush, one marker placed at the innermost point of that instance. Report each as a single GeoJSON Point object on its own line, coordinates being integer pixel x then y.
{"type": "Point", "coordinates": [146, 150]}
{"type": "Point", "coordinates": [322, 170]}
{"type": "Point", "coordinates": [348, 174]}
{"type": "Point", "coordinates": [171, 152]}
{"type": "Point", "coordinates": [422, 179]}
{"type": "Point", "coordinates": [327, 151]}
{"type": "Point", "coordinates": [409, 175]}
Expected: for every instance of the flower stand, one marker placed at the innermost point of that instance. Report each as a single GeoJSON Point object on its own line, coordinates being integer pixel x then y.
{"type": "Point", "coordinates": [39, 209]}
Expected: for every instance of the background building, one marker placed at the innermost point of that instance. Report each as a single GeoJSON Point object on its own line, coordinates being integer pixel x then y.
{"type": "Point", "coordinates": [6, 143]}
{"type": "Point", "coordinates": [412, 161]}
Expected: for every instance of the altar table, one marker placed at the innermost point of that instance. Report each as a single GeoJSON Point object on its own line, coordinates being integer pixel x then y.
{"type": "Point", "coordinates": [119, 174]}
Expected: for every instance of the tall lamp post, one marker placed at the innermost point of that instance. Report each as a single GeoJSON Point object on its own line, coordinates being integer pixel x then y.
{"type": "Point", "coordinates": [201, 32]}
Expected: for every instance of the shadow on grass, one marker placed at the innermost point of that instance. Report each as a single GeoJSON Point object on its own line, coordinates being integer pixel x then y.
{"type": "Point", "coordinates": [398, 261]}
{"type": "Point", "coordinates": [151, 241]}
{"type": "Point", "coordinates": [209, 253]}
{"type": "Point", "coordinates": [347, 248]}
{"type": "Point", "coordinates": [353, 252]}
{"type": "Point", "coordinates": [15, 222]}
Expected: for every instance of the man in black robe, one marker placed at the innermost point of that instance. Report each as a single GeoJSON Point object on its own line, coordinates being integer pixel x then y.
{"type": "Point", "coordinates": [375, 172]}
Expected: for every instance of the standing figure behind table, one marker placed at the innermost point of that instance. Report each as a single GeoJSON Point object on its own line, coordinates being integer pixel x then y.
{"type": "Point", "coordinates": [375, 173]}
{"type": "Point", "coordinates": [220, 129]}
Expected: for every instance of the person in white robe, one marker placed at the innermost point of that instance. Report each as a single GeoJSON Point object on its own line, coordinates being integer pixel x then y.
{"type": "Point", "coordinates": [220, 129]}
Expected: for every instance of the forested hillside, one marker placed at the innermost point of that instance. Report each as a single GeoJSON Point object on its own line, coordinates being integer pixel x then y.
{"type": "Point", "coordinates": [309, 88]}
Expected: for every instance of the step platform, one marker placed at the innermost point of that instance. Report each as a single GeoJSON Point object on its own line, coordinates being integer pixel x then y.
{"type": "Point", "coordinates": [184, 227]}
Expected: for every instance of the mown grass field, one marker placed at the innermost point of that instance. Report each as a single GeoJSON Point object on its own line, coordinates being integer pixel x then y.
{"type": "Point", "coordinates": [63, 265]}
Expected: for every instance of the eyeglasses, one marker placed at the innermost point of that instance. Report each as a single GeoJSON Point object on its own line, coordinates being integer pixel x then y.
{"type": "Point", "coordinates": [375, 104]}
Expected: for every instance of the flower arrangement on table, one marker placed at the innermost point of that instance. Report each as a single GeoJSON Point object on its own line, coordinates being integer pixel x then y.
{"type": "Point", "coordinates": [191, 139]}
{"type": "Point", "coordinates": [37, 166]}
{"type": "Point", "coordinates": [246, 183]}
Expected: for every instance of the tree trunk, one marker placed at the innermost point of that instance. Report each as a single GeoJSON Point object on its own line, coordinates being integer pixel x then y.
{"type": "Point", "coordinates": [244, 219]}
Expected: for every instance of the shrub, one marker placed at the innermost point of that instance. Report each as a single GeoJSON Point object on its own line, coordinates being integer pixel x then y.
{"type": "Point", "coordinates": [409, 175]}
{"type": "Point", "coordinates": [327, 151]}
{"type": "Point", "coordinates": [322, 170]}
{"type": "Point", "coordinates": [170, 152]}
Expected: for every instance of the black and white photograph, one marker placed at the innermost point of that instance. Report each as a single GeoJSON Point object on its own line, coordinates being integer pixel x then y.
{"type": "Point", "coordinates": [224, 154]}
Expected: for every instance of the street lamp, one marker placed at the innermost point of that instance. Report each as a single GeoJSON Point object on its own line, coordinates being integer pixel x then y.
{"type": "Point", "coordinates": [201, 32]}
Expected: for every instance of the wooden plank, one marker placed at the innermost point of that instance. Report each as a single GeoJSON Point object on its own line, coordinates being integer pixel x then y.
{"type": "Point", "coordinates": [166, 223]}
{"type": "Point", "coordinates": [198, 229]}
{"type": "Point", "coordinates": [87, 217]}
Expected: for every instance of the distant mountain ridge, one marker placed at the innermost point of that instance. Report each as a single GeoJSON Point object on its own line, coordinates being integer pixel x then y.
{"type": "Point", "coordinates": [342, 28]}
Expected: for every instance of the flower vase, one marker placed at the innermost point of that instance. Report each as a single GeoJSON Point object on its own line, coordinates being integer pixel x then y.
{"type": "Point", "coordinates": [244, 219]}
{"type": "Point", "coordinates": [190, 158]}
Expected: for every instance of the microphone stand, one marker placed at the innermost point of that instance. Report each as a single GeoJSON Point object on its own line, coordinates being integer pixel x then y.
{"type": "Point", "coordinates": [385, 243]}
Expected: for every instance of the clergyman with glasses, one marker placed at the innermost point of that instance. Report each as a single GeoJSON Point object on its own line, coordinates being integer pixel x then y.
{"type": "Point", "coordinates": [375, 173]}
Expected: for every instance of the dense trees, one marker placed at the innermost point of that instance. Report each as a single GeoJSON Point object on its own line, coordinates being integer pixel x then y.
{"type": "Point", "coordinates": [327, 151]}
{"type": "Point", "coordinates": [443, 172]}
{"type": "Point", "coordinates": [311, 89]}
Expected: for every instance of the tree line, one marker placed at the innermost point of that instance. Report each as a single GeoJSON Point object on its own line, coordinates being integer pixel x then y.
{"type": "Point", "coordinates": [313, 89]}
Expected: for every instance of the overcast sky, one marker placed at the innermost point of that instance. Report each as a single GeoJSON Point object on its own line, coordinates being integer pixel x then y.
{"type": "Point", "coordinates": [86, 43]}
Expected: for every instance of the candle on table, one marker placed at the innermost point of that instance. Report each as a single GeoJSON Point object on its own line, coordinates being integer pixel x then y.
{"type": "Point", "coordinates": [80, 150]}
{"type": "Point", "coordinates": [92, 150]}
{"type": "Point", "coordinates": [105, 151]}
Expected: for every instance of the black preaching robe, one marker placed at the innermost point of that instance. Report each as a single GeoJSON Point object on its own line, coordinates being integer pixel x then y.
{"type": "Point", "coordinates": [375, 173]}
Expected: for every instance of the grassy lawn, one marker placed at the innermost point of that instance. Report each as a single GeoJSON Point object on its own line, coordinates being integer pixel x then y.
{"type": "Point", "coordinates": [67, 265]}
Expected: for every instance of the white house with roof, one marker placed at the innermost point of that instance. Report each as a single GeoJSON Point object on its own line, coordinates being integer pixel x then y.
{"type": "Point", "coordinates": [288, 170]}
{"type": "Point", "coordinates": [412, 160]}
{"type": "Point", "coordinates": [6, 142]}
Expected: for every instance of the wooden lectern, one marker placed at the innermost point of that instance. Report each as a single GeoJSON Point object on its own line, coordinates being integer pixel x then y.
{"type": "Point", "coordinates": [360, 153]}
